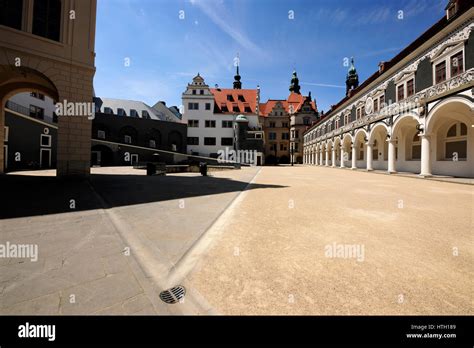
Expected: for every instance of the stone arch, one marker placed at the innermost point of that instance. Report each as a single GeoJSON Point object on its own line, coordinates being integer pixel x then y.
{"type": "Point", "coordinates": [403, 134]}
{"type": "Point", "coordinates": [451, 154]}
{"type": "Point", "coordinates": [378, 138]}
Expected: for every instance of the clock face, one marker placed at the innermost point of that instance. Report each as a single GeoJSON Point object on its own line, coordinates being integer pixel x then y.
{"type": "Point", "coordinates": [369, 103]}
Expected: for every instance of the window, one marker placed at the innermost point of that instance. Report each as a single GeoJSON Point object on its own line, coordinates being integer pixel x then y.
{"type": "Point", "coordinates": [226, 124]}
{"type": "Point", "coordinates": [272, 125]}
{"type": "Point", "coordinates": [230, 97]}
{"type": "Point", "coordinates": [361, 152]}
{"type": "Point", "coordinates": [457, 64]}
{"type": "Point", "coordinates": [227, 141]}
{"type": "Point", "coordinates": [376, 105]}
{"type": "Point", "coordinates": [285, 136]}
{"type": "Point", "coordinates": [375, 150]}
{"type": "Point", "coordinates": [108, 110]}
{"type": "Point", "coordinates": [210, 141]}
{"type": "Point", "coordinates": [101, 134]}
{"type": "Point", "coordinates": [10, 13]}
{"type": "Point", "coordinates": [145, 114]}
{"type": "Point", "coordinates": [440, 72]}
{"type": "Point", "coordinates": [193, 140]}
{"type": "Point", "coordinates": [410, 87]}
{"type": "Point", "coordinates": [235, 108]}
{"type": "Point", "coordinates": [224, 108]}
{"type": "Point", "coordinates": [297, 133]}
{"type": "Point", "coordinates": [347, 119]}
{"type": "Point", "coordinates": [121, 112]}
{"type": "Point", "coordinates": [416, 147]}
{"type": "Point", "coordinates": [193, 123]}
{"type": "Point", "coordinates": [127, 139]}
{"type": "Point", "coordinates": [133, 113]}
{"type": "Point", "coordinates": [194, 91]}
{"type": "Point", "coordinates": [336, 124]}
{"type": "Point", "coordinates": [193, 106]}
{"type": "Point", "coordinates": [284, 124]}
{"type": "Point", "coordinates": [272, 136]}
{"type": "Point", "coordinates": [241, 98]}
{"type": "Point", "coordinates": [36, 112]}
{"type": "Point", "coordinates": [382, 101]}
{"type": "Point", "coordinates": [456, 142]}
{"type": "Point", "coordinates": [37, 95]}
{"type": "Point", "coordinates": [201, 91]}
{"type": "Point", "coordinates": [358, 113]}
{"type": "Point", "coordinates": [45, 140]}
{"type": "Point", "coordinates": [247, 109]}
{"type": "Point", "coordinates": [400, 92]}
{"type": "Point", "coordinates": [210, 124]}
{"type": "Point", "coordinates": [306, 121]}
{"type": "Point", "coordinates": [208, 106]}
{"type": "Point", "coordinates": [47, 18]}
{"type": "Point", "coordinates": [283, 147]}
{"type": "Point", "coordinates": [273, 147]}
{"type": "Point", "coordinates": [362, 111]}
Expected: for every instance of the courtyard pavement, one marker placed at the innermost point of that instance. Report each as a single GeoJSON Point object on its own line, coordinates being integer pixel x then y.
{"type": "Point", "coordinates": [250, 241]}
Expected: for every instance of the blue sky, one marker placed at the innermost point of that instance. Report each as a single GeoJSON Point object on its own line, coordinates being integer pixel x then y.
{"type": "Point", "coordinates": [165, 51]}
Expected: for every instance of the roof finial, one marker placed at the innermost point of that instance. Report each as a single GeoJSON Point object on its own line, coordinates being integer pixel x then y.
{"type": "Point", "coordinates": [237, 83]}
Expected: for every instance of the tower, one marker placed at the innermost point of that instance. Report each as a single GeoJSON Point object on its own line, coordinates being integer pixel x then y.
{"type": "Point", "coordinates": [237, 83]}
{"type": "Point", "coordinates": [294, 86]}
{"type": "Point", "coordinates": [352, 79]}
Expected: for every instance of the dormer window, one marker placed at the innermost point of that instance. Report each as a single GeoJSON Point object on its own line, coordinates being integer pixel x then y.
{"type": "Point", "coordinates": [224, 107]}
{"type": "Point", "coordinates": [235, 108]}
{"type": "Point", "coordinates": [145, 114]}
{"type": "Point", "coordinates": [133, 113]}
{"type": "Point", "coordinates": [121, 112]}
{"type": "Point", "coordinates": [247, 109]}
{"type": "Point", "coordinates": [230, 97]}
{"type": "Point", "coordinates": [108, 110]}
{"type": "Point", "coordinates": [451, 9]}
{"type": "Point", "coordinates": [241, 98]}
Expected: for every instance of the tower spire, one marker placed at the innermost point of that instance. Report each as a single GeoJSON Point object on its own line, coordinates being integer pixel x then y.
{"type": "Point", "coordinates": [237, 83]}
{"type": "Point", "coordinates": [295, 83]}
{"type": "Point", "coordinates": [352, 78]}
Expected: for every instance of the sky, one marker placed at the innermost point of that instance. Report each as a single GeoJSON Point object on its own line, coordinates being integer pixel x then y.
{"type": "Point", "coordinates": [149, 50]}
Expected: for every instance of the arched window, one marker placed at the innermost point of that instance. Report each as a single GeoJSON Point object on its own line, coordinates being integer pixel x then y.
{"type": "Point", "coordinates": [456, 142]}
{"type": "Point", "coordinates": [416, 147]}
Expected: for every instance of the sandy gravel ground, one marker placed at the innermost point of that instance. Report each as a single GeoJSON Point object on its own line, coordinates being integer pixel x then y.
{"type": "Point", "coordinates": [271, 256]}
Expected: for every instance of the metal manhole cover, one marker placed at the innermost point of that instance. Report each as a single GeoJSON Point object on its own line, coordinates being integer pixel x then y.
{"type": "Point", "coordinates": [173, 295]}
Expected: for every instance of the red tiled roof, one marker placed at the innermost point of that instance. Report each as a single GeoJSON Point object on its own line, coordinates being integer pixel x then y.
{"type": "Point", "coordinates": [220, 100]}
{"type": "Point", "coordinates": [294, 99]}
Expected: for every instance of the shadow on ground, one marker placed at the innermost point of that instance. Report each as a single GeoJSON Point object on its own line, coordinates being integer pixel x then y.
{"type": "Point", "coordinates": [23, 196]}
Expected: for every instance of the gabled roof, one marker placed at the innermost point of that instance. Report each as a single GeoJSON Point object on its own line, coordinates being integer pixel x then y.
{"type": "Point", "coordinates": [294, 99]}
{"type": "Point", "coordinates": [248, 95]}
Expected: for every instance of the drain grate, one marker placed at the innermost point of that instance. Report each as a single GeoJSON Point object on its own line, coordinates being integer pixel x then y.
{"type": "Point", "coordinates": [173, 295]}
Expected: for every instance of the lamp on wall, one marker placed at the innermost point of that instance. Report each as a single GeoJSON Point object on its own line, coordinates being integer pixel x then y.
{"type": "Point", "coordinates": [419, 128]}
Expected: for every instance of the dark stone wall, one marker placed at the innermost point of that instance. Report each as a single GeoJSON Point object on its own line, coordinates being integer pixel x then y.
{"type": "Point", "coordinates": [390, 96]}
{"type": "Point", "coordinates": [423, 75]}
{"type": "Point", "coordinates": [142, 130]}
{"type": "Point", "coordinates": [469, 52]}
{"type": "Point", "coordinates": [24, 136]}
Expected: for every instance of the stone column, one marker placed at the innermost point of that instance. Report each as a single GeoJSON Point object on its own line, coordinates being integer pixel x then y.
{"type": "Point", "coordinates": [321, 157]}
{"type": "Point", "coordinates": [342, 157]}
{"type": "Point", "coordinates": [315, 157]}
{"type": "Point", "coordinates": [354, 166]}
{"type": "Point", "coordinates": [369, 156]}
{"type": "Point", "coordinates": [333, 157]}
{"type": "Point", "coordinates": [327, 157]}
{"type": "Point", "coordinates": [425, 155]}
{"type": "Point", "coordinates": [391, 156]}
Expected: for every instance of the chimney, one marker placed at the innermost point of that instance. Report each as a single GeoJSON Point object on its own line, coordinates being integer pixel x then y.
{"type": "Point", "coordinates": [381, 67]}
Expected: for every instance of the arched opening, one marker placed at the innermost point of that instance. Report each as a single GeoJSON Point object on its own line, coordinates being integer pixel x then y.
{"type": "Point", "coordinates": [337, 147]}
{"type": "Point", "coordinates": [405, 131]}
{"type": "Point", "coordinates": [329, 153]}
{"type": "Point", "coordinates": [451, 138]}
{"type": "Point", "coordinates": [175, 141]}
{"type": "Point", "coordinates": [102, 156]}
{"type": "Point", "coordinates": [154, 139]}
{"type": "Point", "coordinates": [360, 140]}
{"type": "Point", "coordinates": [378, 138]}
{"type": "Point", "coordinates": [347, 150]}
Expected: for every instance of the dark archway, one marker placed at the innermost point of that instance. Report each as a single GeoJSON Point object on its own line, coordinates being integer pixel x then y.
{"type": "Point", "coordinates": [175, 141]}
{"type": "Point", "coordinates": [102, 155]}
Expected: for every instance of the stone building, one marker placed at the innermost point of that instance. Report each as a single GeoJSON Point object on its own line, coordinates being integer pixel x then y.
{"type": "Point", "coordinates": [284, 121]}
{"type": "Point", "coordinates": [415, 114]}
{"type": "Point", "coordinates": [48, 47]}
